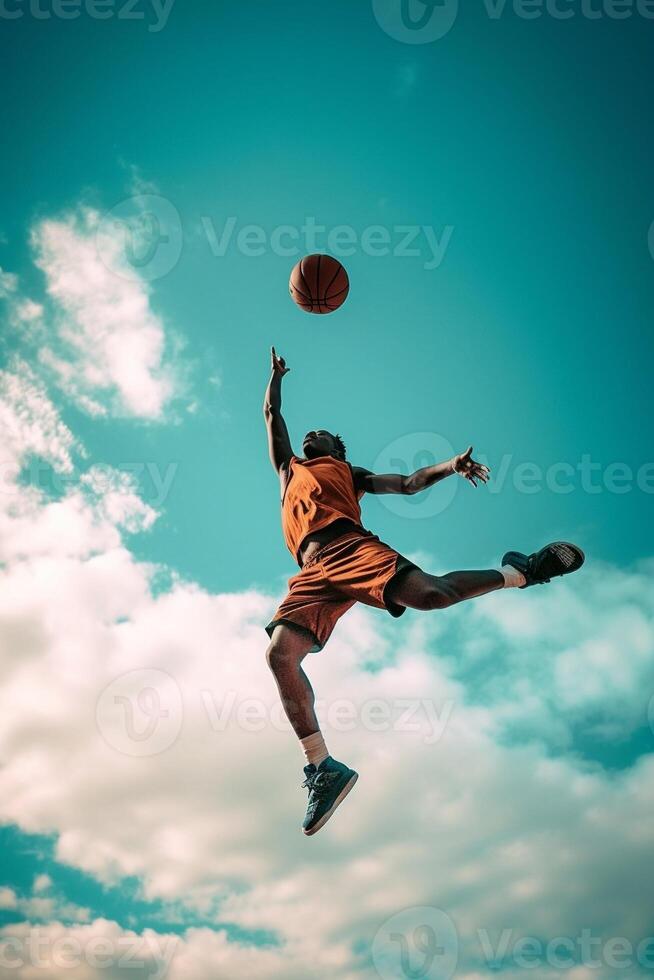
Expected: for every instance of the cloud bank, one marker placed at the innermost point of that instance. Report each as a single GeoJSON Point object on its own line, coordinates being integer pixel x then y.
{"type": "Point", "coordinates": [141, 727]}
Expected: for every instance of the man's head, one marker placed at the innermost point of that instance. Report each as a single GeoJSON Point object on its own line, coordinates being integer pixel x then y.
{"type": "Point", "coordinates": [319, 442]}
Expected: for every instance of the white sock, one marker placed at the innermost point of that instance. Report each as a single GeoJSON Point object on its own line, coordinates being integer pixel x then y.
{"type": "Point", "coordinates": [513, 579]}
{"type": "Point", "coordinates": [314, 748]}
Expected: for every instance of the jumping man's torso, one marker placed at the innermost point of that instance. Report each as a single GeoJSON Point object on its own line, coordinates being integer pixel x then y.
{"type": "Point", "coordinates": [319, 504]}
{"type": "Point", "coordinates": [314, 542]}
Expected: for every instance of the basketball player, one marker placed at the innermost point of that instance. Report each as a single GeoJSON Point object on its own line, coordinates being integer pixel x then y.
{"type": "Point", "coordinates": [341, 563]}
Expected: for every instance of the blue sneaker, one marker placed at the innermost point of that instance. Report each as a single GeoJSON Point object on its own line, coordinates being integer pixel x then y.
{"type": "Point", "coordinates": [328, 786]}
{"type": "Point", "coordinates": [559, 558]}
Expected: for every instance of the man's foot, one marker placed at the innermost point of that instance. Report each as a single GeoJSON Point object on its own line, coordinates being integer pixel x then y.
{"type": "Point", "coordinates": [559, 558]}
{"type": "Point", "coordinates": [328, 786]}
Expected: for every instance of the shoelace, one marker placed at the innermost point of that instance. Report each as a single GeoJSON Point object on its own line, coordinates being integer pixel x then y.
{"type": "Point", "coordinates": [318, 784]}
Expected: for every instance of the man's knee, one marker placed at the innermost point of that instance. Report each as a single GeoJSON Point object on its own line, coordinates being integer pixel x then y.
{"type": "Point", "coordinates": [276, 656]}
{"type": "Point", "coordinates": [284, 651]}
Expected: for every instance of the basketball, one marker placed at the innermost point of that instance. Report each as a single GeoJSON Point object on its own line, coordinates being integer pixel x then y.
{"type": "Point", "coordinates": [319, 284]}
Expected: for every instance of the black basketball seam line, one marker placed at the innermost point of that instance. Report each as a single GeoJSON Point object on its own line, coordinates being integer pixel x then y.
{"type": "Point", "coordinates": [311, 309]}
{"type": "Point", "coordinates": [295, 289]}
{"type": "Point", "coordinates": [306, 284]}
{"type": "Point", "coordinates": [318, 302]}
{"type": "Point", "coordinates": [334, 276]}
{"type": "Point", "coordinates": [318, 281]}
{"type": "Point", "coordinates": [334, 295]}
{"type": "Point", "coordinates": [308, 307]}
{"type": "Point", "coordinates": [308, 293]}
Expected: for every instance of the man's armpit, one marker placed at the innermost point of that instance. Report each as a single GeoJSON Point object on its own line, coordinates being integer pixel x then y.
{"type": "Point", "coordinates": [360, 476]}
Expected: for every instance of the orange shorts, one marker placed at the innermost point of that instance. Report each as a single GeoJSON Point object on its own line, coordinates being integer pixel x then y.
{"type": "Point", "coordinates": [355, 567]}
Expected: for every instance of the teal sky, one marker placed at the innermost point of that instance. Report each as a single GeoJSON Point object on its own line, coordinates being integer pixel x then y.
{"type": "Point", "coordinates": [533, 338]}
{"type": "Point", "coordinates": [530, 140]}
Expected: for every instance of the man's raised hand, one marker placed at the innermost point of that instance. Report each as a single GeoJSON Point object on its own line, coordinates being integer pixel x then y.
{"type": "Point", "coordinates": [278, 364]}
{"type": "Point", "coordinates": [467, 467]}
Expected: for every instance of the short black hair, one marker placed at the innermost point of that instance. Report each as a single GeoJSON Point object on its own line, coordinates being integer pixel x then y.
{"type": "Point", "coordinates": [340, 446]}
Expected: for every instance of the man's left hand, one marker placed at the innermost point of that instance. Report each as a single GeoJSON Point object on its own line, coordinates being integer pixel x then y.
{"type": "Point", "coordinates": [467, 467]}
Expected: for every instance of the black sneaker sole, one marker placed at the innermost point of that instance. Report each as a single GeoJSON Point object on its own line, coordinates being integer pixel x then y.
{"type": "Point", "coordinates": [572, 552]}
{"type": "Point", "coordinates": [337, 802]}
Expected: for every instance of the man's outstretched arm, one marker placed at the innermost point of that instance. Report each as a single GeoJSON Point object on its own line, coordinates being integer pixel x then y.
{"type": "Point", "coordinates": [463, 464]}
{"type": "Point", "coordinates": [279, 443]}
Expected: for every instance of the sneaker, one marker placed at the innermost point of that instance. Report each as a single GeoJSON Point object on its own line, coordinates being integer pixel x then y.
{"type": "Point", "coordinates": [328, 786]}
{"type": "Point", "coordinates": [559, 558]}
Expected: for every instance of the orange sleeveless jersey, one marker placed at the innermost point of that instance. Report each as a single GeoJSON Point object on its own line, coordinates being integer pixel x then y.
{"type": "Point", "coordinates": [318, 491]}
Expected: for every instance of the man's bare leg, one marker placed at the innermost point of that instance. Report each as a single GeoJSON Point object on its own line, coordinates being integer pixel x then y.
{"type": "Point", "coordinates": [287, 650]}
{"type": "Point", "coordinates": [420, 590]}
{"type": "Point", "coordinates": [327, 780]}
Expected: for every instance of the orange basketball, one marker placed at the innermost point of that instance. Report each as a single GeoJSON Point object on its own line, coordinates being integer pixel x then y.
{"type": "Point", "coordinates": [319, 284]}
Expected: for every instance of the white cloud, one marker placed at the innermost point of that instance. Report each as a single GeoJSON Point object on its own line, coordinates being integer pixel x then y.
{"type": "Point", "coordinates": [566, 653]}
{"type": "Point", "coordinates": [499, 837]}
{"type": "Point", "coordinates": [35, 906]}
{"type": "Point", "coordinates": [8, 899]}
{"type": "Point", "coordinates": [29, 422]}
{"type": "Point", "coordinates": [110, 349]}
{"type": "Point", "coordinates": [29, 310]}
{"type": "Point", "coordinates": [102, 949]}
{"type": "Point", "coordinates": [8, 283]}
{"type": "Point", "coordinates": [42, 883]}
{"type": "Point", "coordinates": [22, 314]}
